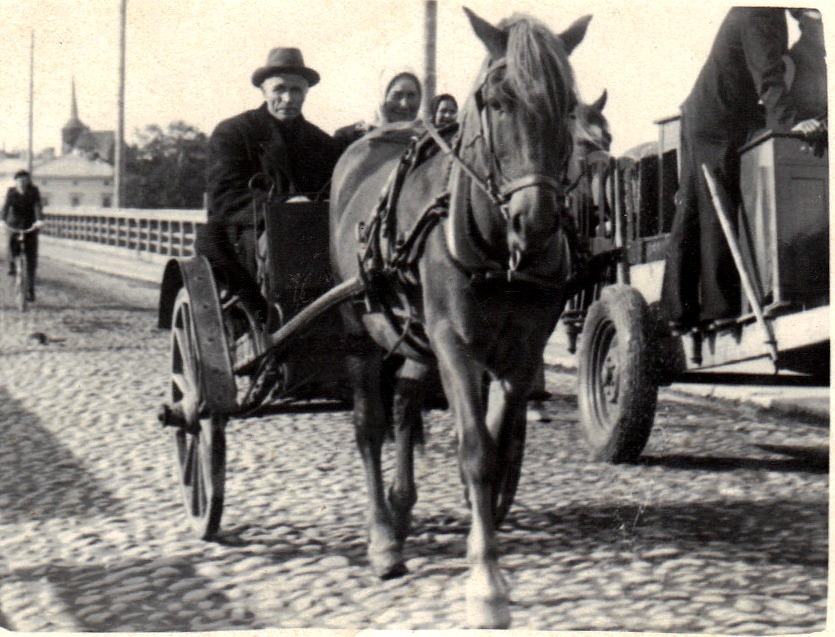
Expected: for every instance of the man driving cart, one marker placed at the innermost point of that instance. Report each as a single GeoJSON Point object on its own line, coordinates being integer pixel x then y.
{"type": "Point", "coordinates": [275, 141]}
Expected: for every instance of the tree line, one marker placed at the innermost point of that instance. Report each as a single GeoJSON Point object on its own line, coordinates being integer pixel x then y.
{"type": "Point", "coordinates": [166, 168]}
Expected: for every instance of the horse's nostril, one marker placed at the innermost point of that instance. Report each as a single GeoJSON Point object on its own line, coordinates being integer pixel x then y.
{"type": "Point", "coordinates": [516, 223]}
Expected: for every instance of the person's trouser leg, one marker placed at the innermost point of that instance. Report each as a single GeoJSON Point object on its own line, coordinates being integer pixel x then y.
{"type": "Point", "coordinates": [30, 246]}
{"type": "Point", "coordinates": [680, 286]}
{"type": "Point", "coordinates": [218, 244]}
{"type": "Point", "coordinates": [720, 285]}
{"type": "Point", "coordinates": [11, 251]}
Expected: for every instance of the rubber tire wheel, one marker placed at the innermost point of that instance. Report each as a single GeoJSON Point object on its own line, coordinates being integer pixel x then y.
{"type": "Point", "coordinates": [510, 482]}
{"type": "Point", "coordinates": [199, 448]}
{"type": "Point", "coordinates": [618, 388]}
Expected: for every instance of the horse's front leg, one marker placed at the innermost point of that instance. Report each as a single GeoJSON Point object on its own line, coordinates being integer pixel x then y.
{"type": "Point", "coordinates": [506, 421]}
{"type": "Point", "coordinates": [408, 431]}
{"type": "Point", "coordinates": [384, 547]}
{"type": "Point", "coordinates": [487, 592]}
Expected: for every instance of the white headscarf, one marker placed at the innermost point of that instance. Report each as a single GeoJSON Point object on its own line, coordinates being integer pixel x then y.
{"type": "Point", "coordinates": [386, 79]}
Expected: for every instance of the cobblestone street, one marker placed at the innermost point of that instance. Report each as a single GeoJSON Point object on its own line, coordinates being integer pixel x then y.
{"type": "Point", "coordinates": [722, 528]}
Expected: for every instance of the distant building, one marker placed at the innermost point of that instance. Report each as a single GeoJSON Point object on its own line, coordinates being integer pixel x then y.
{"type": "Point", "coordinates": [11, 162]}
{"type": "Point", "coordinates": [83, 174]}
{"type": "Point", "coordinates": [74, 180]}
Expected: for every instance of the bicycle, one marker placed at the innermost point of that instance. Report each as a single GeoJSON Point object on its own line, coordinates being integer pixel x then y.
{"type": "Point", "coordinates": [20, 262]}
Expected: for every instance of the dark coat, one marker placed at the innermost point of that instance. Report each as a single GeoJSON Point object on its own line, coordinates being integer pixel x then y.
{"type": "Point", "coordinates": [299, 156]}
{"type": "Point", "coordinates": [745, 66]}
{"type": "Point", "coordinates": [22, 210]}
{"type": "Point", "coordinates": [808, 92]}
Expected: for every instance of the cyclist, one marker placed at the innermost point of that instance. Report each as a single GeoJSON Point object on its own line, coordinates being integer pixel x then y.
{"type": "Point", "coordinates": [21, 211]}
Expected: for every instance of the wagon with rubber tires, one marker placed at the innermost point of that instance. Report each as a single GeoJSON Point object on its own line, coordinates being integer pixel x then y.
{"type": "Point", "coordinates": [225, 364]}
{"type": "Point", "coordinates": [779, 240]}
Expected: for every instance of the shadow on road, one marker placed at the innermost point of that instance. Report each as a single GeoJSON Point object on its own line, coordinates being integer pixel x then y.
{"type": "Point", "coordinates": [41, 479]}
{"type": "Point", "coordinates": [163, 595]}
{"type": "Point", "coordinates": [772, 531]}
{"type": "Point", "coordinates": [805, 460]}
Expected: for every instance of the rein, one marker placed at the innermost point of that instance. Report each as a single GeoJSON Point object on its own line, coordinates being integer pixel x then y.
{"type": "Point", "coordinates": [500, 196]}
{"type": "Point", "coordinates": [489, 184]}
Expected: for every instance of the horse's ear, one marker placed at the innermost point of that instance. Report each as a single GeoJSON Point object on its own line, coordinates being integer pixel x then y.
{"type": "Point", "coordinates": [493, 38]}
{"type": "Point", "coordinates": [601, 102]}
{"type": "Point", "coordinates": [574, 34]}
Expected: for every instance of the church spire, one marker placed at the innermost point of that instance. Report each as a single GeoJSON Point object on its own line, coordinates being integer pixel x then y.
{"type": "Point", "coordinates": [73, 129]}
{"type": "Point", "coordinates": [74, 107]}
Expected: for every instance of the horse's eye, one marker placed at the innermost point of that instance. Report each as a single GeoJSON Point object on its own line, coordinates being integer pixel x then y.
{"type": "Point", "coordinates": [496, 105]}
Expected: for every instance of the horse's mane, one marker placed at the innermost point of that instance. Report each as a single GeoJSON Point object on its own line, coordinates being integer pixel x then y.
{"type": "Point", "coordinates": [538, 71]}
{"type": "Point", "coordinates": [537, 76]}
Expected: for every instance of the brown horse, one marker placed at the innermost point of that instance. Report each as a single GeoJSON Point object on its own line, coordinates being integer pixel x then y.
{"type": "Point", "coordinates": [486, 291]}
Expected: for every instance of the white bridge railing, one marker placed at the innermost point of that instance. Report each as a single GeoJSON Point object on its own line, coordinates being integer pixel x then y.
{"type": "Point", "coordinates": [130, 242]}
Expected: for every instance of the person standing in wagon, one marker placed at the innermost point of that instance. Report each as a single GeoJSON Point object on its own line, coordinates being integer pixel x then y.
{"type": "Point", "coordinates": [741, 89]}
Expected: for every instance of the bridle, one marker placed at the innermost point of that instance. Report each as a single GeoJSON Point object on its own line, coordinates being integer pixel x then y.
{"type": "Point", "coordinates": [498, 190]}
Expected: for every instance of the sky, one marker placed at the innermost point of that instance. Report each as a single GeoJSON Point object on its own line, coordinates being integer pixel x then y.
{"type": "Point", "coordinates": [192, 60]}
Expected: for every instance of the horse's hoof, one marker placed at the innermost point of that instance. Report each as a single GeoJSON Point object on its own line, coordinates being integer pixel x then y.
{"type": "Point", "coordinates": [488, 613]}
{"type": "Point", "coordinates": [388, 564]}
{"type": "Point", "coordinates": [488, 601]}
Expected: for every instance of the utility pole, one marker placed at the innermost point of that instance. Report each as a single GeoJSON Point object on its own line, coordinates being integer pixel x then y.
{"type": "Point", "coordinates": [30, 153]}
{"type": "Point", "coordinates": [430, 34]}
{"type": "Point", "coordinates": [119, 159]}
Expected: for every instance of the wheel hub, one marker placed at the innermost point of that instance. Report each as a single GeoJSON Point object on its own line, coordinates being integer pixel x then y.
{"type": "Point", "coordinates": [609, 375]}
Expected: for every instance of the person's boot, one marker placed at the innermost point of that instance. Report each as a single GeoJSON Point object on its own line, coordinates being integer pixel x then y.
{"type": "Point", "coordinates": [30, 295]}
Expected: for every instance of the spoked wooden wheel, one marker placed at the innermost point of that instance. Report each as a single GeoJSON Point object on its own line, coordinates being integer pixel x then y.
{"type": "Point", "coordinates": [246, 343]}
{"type": "Point", "coordinates": [618, 383]}
{"type": "Point", "coordinates": [200, 444]}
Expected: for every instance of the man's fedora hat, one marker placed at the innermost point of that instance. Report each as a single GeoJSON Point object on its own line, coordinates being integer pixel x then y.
{"type": "Point", "coordinates": [285, 60]}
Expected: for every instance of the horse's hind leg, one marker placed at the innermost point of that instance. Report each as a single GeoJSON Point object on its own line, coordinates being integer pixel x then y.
{"type": "Point", "coordinates": [408, 431]}
{"type": "Point", "coordinates": [365, 369]}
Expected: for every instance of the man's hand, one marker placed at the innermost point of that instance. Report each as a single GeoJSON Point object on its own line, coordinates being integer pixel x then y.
{"type": "Point", "coordinates": [809, 127]}
{"type": "Point", "coordinates": [814, 135]}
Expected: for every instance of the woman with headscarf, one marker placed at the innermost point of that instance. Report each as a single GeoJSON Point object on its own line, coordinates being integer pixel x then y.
{"type": "Point", "coordinates": [443, 109]}
{"type": "Point", "coordinates": [401, 97]}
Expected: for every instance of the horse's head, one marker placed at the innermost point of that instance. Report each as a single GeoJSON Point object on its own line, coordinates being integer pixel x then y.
{"type": "Point", "coordinates": [517, 129]}
{"type": "Point", "coordinates": [591, 128]}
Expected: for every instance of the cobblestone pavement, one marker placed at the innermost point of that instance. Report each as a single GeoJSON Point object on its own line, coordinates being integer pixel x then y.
{"type": "Point", "coordinates": [721, 529]}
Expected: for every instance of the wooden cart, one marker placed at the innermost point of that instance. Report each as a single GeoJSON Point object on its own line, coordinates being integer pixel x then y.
{"type": "Point", "coordinates": [223, 365]}
{"type": "Point", "coordinates": [625, 350]}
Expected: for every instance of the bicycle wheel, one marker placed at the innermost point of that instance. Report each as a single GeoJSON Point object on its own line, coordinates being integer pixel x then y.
{"type": "Point", "coordinates": [21, 280]}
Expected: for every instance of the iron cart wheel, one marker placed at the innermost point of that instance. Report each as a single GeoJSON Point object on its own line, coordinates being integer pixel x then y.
{"type": "Point", "coordinates": [618, 388]}
{"type": "Point", "coordinates": [199, 444]}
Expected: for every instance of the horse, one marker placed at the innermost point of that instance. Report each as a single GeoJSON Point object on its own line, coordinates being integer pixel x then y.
{"type": "Point", "coordinates": [491, 270]}
{"type": "Point", "coordinates": [591, 129]}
